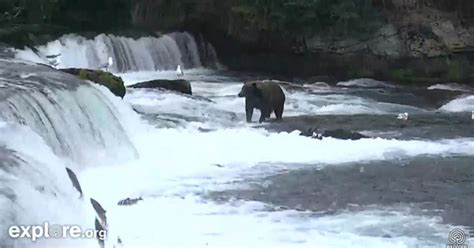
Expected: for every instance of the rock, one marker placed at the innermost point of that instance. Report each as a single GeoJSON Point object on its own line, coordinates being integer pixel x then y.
{"type": "Point", "coordinates": [334, 133]}
{"type": "Point", "coordinates": [402, 40]}
{"type": "Point", "coordinates": [179, 85]}
{"type": "Point", "coordinates": [113, 83]}
{"type": "Point", "coordinates": [384, 42]}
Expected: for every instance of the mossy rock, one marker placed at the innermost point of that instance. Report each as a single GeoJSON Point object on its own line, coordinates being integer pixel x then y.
{"type": "Point", "coordinates": [412, 77]}
{"type": "Point", "coordinates": [179, 85]}
{"type": "Point", "coordinates": [113, 83]}
{"type": "Point", "coordinates": [458, 71]}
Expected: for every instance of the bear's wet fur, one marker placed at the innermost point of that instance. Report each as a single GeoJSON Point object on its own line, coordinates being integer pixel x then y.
{"type": "Point", "coordinates": [266, 95]}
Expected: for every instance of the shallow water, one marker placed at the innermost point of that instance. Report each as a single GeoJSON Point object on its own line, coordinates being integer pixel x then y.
{"type": "Point", "coordinates": [209, 179]}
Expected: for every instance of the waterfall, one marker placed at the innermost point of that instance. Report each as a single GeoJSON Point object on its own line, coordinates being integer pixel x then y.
{"type": "Point", "coordinates": [165, 52]}
{"type": "Point", "coordinates": [74, 119]}
{"type": "Point", "coordinates": [50, 120]}
{"type": "Point", "coordinates": [34, 191]}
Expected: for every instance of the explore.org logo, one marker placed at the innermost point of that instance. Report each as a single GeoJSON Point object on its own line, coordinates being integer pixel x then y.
{"type": "Point", "coordinates": [46, 230]}
{"type": "Point", "coordinates": [457, 239]}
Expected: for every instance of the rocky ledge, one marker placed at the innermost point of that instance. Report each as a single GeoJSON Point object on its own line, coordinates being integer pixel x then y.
{"type": "Point", "coordinates": [179, 85]}
{"type": "Point", "coordinates": [113, 83]}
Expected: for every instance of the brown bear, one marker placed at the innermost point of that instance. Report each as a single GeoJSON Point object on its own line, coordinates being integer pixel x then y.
{"type": "Point", "coordinates": [265, 95]}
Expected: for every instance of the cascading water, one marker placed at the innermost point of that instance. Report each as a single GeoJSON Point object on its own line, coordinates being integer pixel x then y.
{"type": "Point", "coordinates": [71, 116]}
{"type": "Point", "coordinates": [165, 52]}
{"type": "Point", "coordinates": [49, 121]}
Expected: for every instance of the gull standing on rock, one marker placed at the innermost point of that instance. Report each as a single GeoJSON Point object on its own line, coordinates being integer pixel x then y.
{"type": "Point", "coordinates": [107, 66]}
{"type": "Point", "coordinates": [179, 71]}
{"type": "Point", "coordinates": [110, 63]}
{"type": "Point", "coordinates": [403, 116]}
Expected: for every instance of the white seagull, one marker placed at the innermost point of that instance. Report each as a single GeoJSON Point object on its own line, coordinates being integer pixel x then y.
{"type": "Point", "coordinates": [179, 71]}
{"type": "Point", "coordinates": [472, 116]}
{"type": "Point", "coordinates": [109, 64]}
{"type": "Point", "coordinates": [403, 116]}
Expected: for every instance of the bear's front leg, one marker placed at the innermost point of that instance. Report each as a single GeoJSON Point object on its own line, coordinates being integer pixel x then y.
{"type": "Point", "coordinates": [248, 111]}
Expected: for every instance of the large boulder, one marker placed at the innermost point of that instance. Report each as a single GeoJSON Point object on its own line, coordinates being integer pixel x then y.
{"type": "Point", "coordinates": [113, 83]}
{"type": "Point", "coordinates": [179, 85]}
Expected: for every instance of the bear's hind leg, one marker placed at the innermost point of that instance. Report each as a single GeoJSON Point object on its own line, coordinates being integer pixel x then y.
{"type": "Point", "coordinates": [279, 111]}
{"type": "Point", "coordinates": [265, 113]}
{"type": "Point", "coordinates": [269, 112]}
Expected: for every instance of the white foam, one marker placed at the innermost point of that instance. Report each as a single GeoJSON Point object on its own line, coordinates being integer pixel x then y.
{"type": "Point", "coordinates": [462, 104]}
{"type": "Point", "coordinates": [189, 221]}
{"type": "Point", "coordinates": [175, 166]}
{"type": "Point", "coordinates": [450, 87]}
{"type": "Point", "coordinates": [365, 83]}
{"type": "Point", "coordinates": [224, 99]}
{"type": "Point", "coordinates": [77, 124]}
{"type": "Point", "coordinates": [184, 160]}
{"type": "Point", "coordinates": [41, 187]}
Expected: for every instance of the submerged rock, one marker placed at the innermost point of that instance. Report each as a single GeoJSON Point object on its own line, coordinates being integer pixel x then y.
{"type": "Point", "coordinates": [179, 85]}
{"type": "Point", "coordinates": [334, 133]}
{"type": "Point", "coordinates": [113, 83]}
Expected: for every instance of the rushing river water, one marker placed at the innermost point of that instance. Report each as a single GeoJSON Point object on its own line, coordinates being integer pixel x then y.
{"type": "Point", "coordinates": [209, 179]}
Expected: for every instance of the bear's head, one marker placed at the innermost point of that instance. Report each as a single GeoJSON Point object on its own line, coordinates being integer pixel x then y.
{"type": "Point", "coordinates": [250, 89]}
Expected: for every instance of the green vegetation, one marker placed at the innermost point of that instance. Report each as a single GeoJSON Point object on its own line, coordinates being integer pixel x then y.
{"type": "Point", "coordinates": [33, 22]}
{"type": "Point", "coordinates": [340, 17]}
{"type": "Point", "coordinates": [443, 69]}
{"type": "Point", "coordinates": [457, 70]}
{"type": "Point", "coordinates": [76, 14]}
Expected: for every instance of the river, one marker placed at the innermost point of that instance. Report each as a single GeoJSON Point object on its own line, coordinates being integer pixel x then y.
{"type": "Point", "coordinates": [209, 179]}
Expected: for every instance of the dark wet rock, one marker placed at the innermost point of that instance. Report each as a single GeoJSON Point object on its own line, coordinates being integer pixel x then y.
{"type": "Point", "coordinates": [129, 201]}
{"type": "Point", "coordinates": [425, 184]}
{"type": "Point", "coordinates": [334, 133]}
{"type": "Point", "coordinates": [405, 41]}
{"type": "Point", "coordinates": [425, 126]}
{"type": "Point", "coordinates": [113, 83]}
{"type": "Point", "coordinates": [179, 85]}
{"type": "Point", "coordinates": [5, 51]}
{"type": "Point", "coordinates": [414, 96]}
